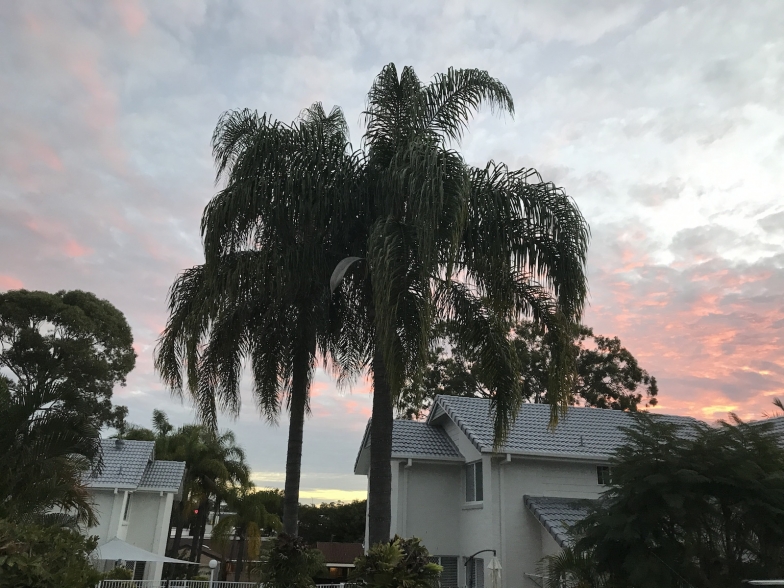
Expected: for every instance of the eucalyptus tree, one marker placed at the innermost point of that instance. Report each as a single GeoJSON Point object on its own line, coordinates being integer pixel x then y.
{"type": "Point", "coordinates": [262, 296]}
{"type": "Point", "coordinates": [438, 238]}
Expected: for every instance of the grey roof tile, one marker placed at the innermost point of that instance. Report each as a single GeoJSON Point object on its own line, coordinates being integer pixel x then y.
{"type": "Point", "coordinates": [132, 465]}
{"type": "Point", "coordinates": [163, 475]}
{"type": "Point", "coordinates": [558, 515]}
{"type": "Point", "coordinates": [587, 432]}
{"type": "Point", "coordinates": [418, 438]}
{"type": "Point", "coordinates": [411, 439]}
{"type": "Point", "coordinates": [124, 463]}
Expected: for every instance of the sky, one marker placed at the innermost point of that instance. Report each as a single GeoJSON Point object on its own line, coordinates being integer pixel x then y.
{"type": "Point", "coordinates": [663, 120]}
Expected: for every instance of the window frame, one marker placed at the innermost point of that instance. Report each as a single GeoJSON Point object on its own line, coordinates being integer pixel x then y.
{"type": "Point", "coordinates": [474, 471]}
{"type": "Point", "coordinates": [603, 475]}
{"type": "Point", "coordinates": [127, 507]}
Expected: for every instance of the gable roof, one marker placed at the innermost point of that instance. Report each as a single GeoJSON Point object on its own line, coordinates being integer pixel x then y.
{"type": "Point", "coordinates": [163, 475]}
{"type": "Point", "coordinates": [131, 465]}
{"type": "Point", "coordinates": [411, 439]}
{"type": "Point", "coordinates": [587, 433]}
{"type": "Point", "coordinates": [124, 463]}
{"type": "Point", "coordinates": [558, 515]}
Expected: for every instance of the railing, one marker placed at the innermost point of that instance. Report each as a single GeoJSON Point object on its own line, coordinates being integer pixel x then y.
{"type": "Point", "coordinates": [174, 584]}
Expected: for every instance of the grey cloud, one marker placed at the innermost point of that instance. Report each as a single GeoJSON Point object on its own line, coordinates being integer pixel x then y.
{"type": "Point", "coordinates": [657, 194]}
{"type": "Point", "coordinates": [773, 223]}
{"type": "Point", "coordinates": [704, 242]}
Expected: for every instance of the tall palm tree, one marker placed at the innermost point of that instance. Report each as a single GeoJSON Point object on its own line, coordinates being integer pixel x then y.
{"type": "Point", "coordinates": [262, 294]}
{"type": "Point", "coordinates": [441, 239]}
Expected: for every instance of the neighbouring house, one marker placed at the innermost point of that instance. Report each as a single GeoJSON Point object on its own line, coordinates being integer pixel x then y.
{"type": "Point", "coordinates": [451, 489]}
{"type": "Point", "coordinates": [338, 560]}
{"type": "Point", "coordinates": [133, 494]}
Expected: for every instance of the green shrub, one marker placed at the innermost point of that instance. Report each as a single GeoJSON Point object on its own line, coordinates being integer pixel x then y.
{"type": "Point", "coordinates": [118, 573]}
{"type": "Point", "coordinates": [398, 563]}
{"type": "Point", "coordinates": [291, 564]}
{"type": "Point", "coordinates": [45, 557]}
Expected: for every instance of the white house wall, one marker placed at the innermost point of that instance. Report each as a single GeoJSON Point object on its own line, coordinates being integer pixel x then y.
{"type": "Point", "coordinates": [524, 542]}
{"type": "Point", "coordinates": [430, 496]}
{"type": "Point", "coordinates": [429, 503]}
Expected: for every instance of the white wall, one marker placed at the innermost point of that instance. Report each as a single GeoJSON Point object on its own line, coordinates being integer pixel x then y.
{"type": "Point", "coordinates": [430, 504]}
{"type": "Point", "coordinates": [524, 542]}
{"type": "Point", "coordinates": [430, 497]}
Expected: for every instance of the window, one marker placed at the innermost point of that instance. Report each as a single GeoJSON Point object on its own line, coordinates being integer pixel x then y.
{"type": "Point", "coordinates": [474, 482]}
{"type": "Point", "coordinates": [603, 475]}
{"type": "Point", "coordinates": [138, 571]}
{"type": "Point", "coordinates": [127, 510]}
{"type": "Point", "coordinates": [475, 573]}
{"type": "Point", "coordinates": [448, 577]}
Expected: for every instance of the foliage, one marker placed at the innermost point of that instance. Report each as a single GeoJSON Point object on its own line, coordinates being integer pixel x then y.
{"type": "Point", "coordinates": [70, 345]}
{"type": "Point", "coordinates": [698, 506]}
{"type": "Point", "coordinates": [47, 447]}
{"type": "Point", "coordinates": [45, 557]}
{"type": "Point", "coordinates": [607, 374]}
{"type": "Point", "coordinates": [334, 521]}
{"type": "Point", "coordinates": [248, 519]}
{"type": "Point", "coordinates": [62, 355]}
{"type": "Point", "coordinates": [291, 564]}
{"type": "Point", "coordinates": [394, 564]}
{"type": "Point", "coordinates": [118, 573]}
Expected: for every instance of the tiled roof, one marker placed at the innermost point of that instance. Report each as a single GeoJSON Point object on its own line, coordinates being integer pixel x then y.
{"type": "Point", "coordinates": [132, 465]}
{"type": "Point", "coordinates": [411, 439]}
{"type": "Point", "coordinates": [124, 463]}
{"type": "Point", "coordinates": [558, 515]}
{"type": "Point", "coordinates": [583, 432]}
{"type": "Point", "coordinates": [163, 475]}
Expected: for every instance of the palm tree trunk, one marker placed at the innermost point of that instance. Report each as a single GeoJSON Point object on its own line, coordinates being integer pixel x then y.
{"type": "Point", "coordinates": [179, 524]}
{"type": "Point", "coordinates": [380, 483]}
{"type": "Point", "coordinates": [240, 557]}
{"type": "Point", "coordinates": [300, 381]}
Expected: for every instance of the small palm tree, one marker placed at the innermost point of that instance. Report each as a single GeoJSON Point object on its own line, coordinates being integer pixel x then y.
{"type": "Point", "coordinates": [214, 464]}
{"type": "Point", "coordinates": [248, 520]}
{"type": "Point", "coordinates": [47, 449]}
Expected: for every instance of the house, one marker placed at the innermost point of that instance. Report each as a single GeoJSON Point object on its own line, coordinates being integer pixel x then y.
{"type": "Point", "coordinates": [453, 491]}
{"type": "Point", "coordinates": [133, 495]}
{"type": "Point", "coordinates": [338, 560]}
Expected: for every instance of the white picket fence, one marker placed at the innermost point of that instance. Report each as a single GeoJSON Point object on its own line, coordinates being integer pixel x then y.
{"type": "Point", "coordinates": [174, 584]}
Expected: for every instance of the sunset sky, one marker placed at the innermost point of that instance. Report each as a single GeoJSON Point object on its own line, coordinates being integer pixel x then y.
{"type": "Point", "coordinates": [664, 121]}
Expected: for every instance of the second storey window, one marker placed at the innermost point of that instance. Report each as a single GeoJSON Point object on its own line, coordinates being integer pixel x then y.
{"type": "Point", "coordinates": [127, 509]}
{"type": "Point", "coordinates": [473, 481]}
{"type": "Point", "coordinates": [603, 475]}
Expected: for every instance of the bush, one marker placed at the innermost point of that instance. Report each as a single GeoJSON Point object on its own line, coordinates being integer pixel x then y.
{"type": "Point", "coordinates": [291, 564]}
{"type": "Point", "coordinates": [400, 562]}
{"type": "Point", "coordinates": [45, 557]}
{"type": "Point", "coordinates": [118, 573]}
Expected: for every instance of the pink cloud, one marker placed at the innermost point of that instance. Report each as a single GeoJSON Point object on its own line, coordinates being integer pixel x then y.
{"type": "Point", "coordinates": [75, 249]}
{"type": "Point", "coordinates": [10, 283]}
{"type": "Point", "coordinates": [131, 14]}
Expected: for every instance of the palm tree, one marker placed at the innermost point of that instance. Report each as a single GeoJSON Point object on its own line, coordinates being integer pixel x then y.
{"type": "Point", "coordinates": [248, 520]}
{"type": "Point", "coordinates": [47, 449]}
{"type": "Point", "coordinates": [214, 464]}
{"type": "Point", "coordinates": [441, 239]}
{"type": "Point", "coordinates": [262, 294]}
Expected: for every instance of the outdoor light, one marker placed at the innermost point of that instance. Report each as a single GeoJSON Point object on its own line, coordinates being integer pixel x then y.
{"type": "Point", "coordinates": [213, 565]}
